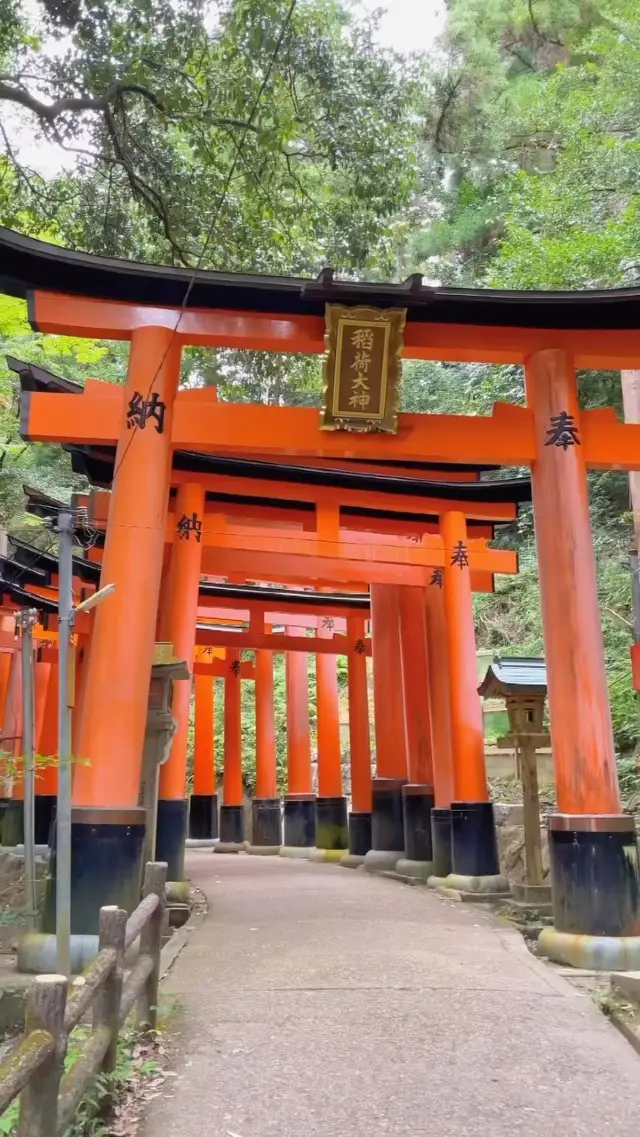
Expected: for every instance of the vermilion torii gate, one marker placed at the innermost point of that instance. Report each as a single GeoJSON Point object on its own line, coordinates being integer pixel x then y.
{"type": "Point", "coordinates": [593, 845]}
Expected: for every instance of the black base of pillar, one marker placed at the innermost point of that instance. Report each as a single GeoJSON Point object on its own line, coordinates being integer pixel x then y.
{"type": "Point", "coordinates": [171, 834]}
{"type": "Point", "coordinates": [474, 848]}
{"type": "Point", "coordinates": [231, 824]}
{"type": "Point", "coordinates": [387, 822]}
{"type": "Point", "coordinates": [266, 822]}
{"type": "Point", "coordinates": [332, 824]}
{"type": "Point", "coordinates": [359, 834]}
{"type": "Point", "coordinates": [13, 823]}
{"type": "Point", "coordinates": [45, 813]}
{"type": "Point", "coordinates": [441, 841]}
{"type": "Point", "coordinates": [596, 880]}
{"type": "Point", "coordinates": [106, 866]}
{"type": "Point", "coordinates": [417, 803]}
{"type": "Point", "coordinates": [4, 805]}
{"type": "Point", "coordinates": [300, 821]}
{"type": "Point", "coordinates": [203, 817]}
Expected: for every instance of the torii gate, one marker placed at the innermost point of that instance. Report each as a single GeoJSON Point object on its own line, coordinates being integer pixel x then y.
{"type": "Point", "coordinates": [596, 883]}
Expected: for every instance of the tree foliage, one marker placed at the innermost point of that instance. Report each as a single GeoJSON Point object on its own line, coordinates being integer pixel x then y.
{"type": "Point", "coordinates": [249, 134]}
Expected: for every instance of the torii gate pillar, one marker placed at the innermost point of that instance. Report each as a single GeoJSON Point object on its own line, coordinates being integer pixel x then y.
{"type": "Point", "coordinates": [300, 800]}
{"type": "Point", "coordinates": [359, 746]}
{"type": "Point", "coordinates": [108, 825]}
{"type": "Point", "coordinates": [203, 803]}
{"type": "Point", "coordinates": [440, 699]}
{"type": "Point", "coordinates": [592, 844]}
{"type": "Point", "coordinates": [332, 826]}
{"type": "Point", "coordinates": [474, 850]}
{"type": "Point", "coordinates": [387, 823]}
{"type": "Point", "coordinates": [178, 624]}
{"type": "Point", "coordinates": [266, 816]}
{"type": "Point", "coordinates": [232, 808]}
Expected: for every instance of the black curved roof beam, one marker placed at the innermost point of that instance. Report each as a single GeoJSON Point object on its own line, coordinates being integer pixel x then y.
{"type": "Point", "coordinates": [98, 468]}
{"type": "Point", "coordinates": [27, 264]}
{"type": "Point", "coordinates": [279, 597]}
{"type": "Point", "coordinates": [30, 556]}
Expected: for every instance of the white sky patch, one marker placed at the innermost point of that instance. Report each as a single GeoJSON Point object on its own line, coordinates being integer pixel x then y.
{"type": "Point", "coordinates": [405, 26]}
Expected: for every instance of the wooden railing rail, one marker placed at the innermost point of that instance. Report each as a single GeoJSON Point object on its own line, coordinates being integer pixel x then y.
{"type": "Point", "coordinates": [50, 1096]}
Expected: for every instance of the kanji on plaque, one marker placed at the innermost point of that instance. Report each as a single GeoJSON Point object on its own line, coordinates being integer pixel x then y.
{"type": "Point", "coordinates": [362, 368]}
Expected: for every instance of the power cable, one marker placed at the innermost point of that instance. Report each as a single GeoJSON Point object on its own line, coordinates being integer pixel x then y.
{"type": "Point", "coordinates": [213, 223]}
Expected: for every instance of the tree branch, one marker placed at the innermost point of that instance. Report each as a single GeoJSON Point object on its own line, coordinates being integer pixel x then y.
{"type": "Point", "coordinates": [443, 112]}
{"type": "Point", "coordinates": [49, 112]}
{"type": "Point", "coordinates": [536, 28]}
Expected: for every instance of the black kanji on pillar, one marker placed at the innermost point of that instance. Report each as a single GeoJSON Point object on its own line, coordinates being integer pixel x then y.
{"type": "Point", "coordinates": [359, 647]}
{"type": "Point", "coordinates": [141, 410]}
{"type": "Point", "coordinates": [460, 556]}
{"type": "Point", "coordinates": [235, 667]}
{"type": "Point", "coordinates": [188, 525]}
{"type": "Point", "coordinates": [562, 431]}
{"type": "Point", "coordinates": [437, 577]}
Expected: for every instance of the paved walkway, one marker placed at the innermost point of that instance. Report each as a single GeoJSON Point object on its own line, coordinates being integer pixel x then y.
{"type": "Point", "coordinates": [322, 1002]}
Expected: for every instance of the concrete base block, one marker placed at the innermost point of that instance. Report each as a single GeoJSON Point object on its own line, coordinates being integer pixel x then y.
{"type": "Point", "coordinates": [597, 953]}
{"type": "Point", "coordinates": [352, 861]}
{"type": "Point", "coordinates": [263, 850]}
{"type": "Point", "coordinates": [544, 911]}
{"type": "Point", "coordinates": [478, 885]}
{"type": "Point", "coordinates": [381, 860]}
{"type": "Point", "coordinates": [296, 852]}
{"type": "Point", "coordinates": [229, 847]}
{"type": "Point", "coordinates": [37, 953]}
{"type": "Point", "coordinates": [177, 891]}
{"type": "Point", "coordinates": [178, 914]}
{"type": "Point", "coordinates": [326, 856]}
{"type": "Point", "coordinates": [201, 843]}
{"type": "Point", "coordinates": [532, 894]}
{"type": "Point", "coordinates": [417, 870]}
{"type": "Point", "coordinates": [436, 882]}
{"type": "Point", "coordinates": [628, 984]}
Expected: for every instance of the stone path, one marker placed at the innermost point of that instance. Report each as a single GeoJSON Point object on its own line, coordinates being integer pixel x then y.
{"type": "Point", "coordinates": [322, 1002]}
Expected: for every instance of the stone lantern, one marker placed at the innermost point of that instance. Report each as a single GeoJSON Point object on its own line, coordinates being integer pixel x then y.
{"type": "Point", "coordinates": [522, 683]}
{"type": "Point", "coordinates": [161, 727]}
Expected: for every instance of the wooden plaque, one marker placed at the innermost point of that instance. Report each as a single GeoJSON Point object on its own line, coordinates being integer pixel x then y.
{"type": "Point", "coordinates": [362, 368]}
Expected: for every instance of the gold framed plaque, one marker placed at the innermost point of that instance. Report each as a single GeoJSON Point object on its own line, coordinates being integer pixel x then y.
{"type": "Point", "coordinates": [362, 368]}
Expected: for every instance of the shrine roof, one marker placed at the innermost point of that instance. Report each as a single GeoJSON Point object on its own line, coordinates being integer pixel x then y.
{"type": "Point", "coordinates": [29, 264]}
{"type": "Point", "coordinates": [29, 556]}
{"type": "Point", "coordinates": [283, 596]}
{"type": "Point", "coordinates": [514, 675]}
{"type": "Point", "coordinates": [42, 506]}
{"type": "Point", "coordinates": [30, 565]}
{"type": "Point", "coordinates": [27, 599]}
{"type": "Point", "coordinates": [98, 465]}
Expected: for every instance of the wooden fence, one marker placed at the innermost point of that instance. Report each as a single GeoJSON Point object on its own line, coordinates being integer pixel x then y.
{"type": "Point", "coordinates": [50, 1097]}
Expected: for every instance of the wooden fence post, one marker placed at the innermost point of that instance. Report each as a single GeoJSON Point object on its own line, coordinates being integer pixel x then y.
{"type": "Point", "coordinates": [46, 1004]}
{"type": "Point", "coordinates": [106, 1011]}
{"type": "Point", "coordinates": [155, 875]}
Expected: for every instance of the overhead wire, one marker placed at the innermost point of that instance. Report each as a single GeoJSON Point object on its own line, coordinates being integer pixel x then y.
{"type": "Point", "coordinates": [213, 223]}
{"type": "Point", "coordinates": [94, 537]}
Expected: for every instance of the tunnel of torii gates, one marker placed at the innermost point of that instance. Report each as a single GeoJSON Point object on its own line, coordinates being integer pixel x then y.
{"type": "Point", "coordinates": [224, 523]}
